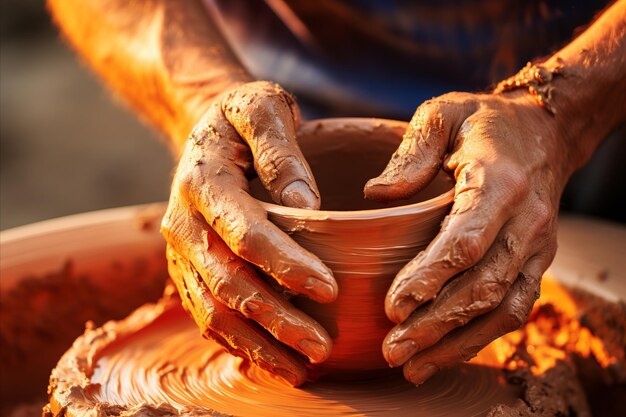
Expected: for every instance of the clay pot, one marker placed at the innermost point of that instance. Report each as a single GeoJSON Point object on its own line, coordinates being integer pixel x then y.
{"type": "Point", "coordinates": [365, 243]}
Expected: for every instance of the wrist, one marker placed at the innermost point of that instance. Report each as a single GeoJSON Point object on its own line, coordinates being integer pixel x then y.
{"type": "Point", "coordinates": [194, 98]}
{"type": "Point", "coordinates": [543, 140]}
{"type": "Point", "coordinates": [573, 105]}
{"type": "Point", "coordinates": [586, 105]}
{"type": "Point", "coordinates": [537, 80]}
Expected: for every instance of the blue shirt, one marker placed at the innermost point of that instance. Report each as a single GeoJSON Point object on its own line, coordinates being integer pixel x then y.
{"type": "Point", "coordinates": [383, 58]}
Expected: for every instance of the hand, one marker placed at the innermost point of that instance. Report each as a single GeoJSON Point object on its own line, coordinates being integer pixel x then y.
{"type": "Point", "coordinates": [216, 232]}
{"type": "Point", "coordinates": [479, 278]}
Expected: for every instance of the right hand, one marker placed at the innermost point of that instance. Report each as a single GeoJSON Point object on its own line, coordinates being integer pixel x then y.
{"type": "Point", "coordinates": [216, 232]}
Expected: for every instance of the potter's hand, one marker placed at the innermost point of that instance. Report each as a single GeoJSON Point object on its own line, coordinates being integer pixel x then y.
{"type": "Point", "coordinates": [481, 275]}
{"type": "Point", "coordinates": [216, 232]}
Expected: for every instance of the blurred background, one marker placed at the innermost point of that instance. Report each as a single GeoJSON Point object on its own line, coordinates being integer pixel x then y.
{"type": "Point", "coordinates": [66, 144]}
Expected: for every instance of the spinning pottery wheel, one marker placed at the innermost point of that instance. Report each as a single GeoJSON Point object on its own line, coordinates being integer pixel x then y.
{"type": "Point", "coordinates": [131, 234]}
{"type": "Point", "coordinates": [155, 363]}
{"type": "Point", "coordinates": [156, 356]}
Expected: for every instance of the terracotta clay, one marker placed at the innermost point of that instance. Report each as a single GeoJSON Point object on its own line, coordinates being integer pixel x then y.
{"type": "Point", "coordinates": [131, 236]}
{"type": "Point", "coordinates": [154, 363]}
{"type": "Point", "coordinates": [365, 243]}
{"type": "Point", "coordinates": [156, 356]}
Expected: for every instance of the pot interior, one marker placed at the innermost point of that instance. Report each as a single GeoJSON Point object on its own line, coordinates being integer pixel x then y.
{"type": "Point", "coordinates": [343, 157]}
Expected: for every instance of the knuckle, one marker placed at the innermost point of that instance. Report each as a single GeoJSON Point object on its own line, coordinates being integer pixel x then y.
{"type": "Point", "coordinates": [220, 287]}
{"type": "Point", "coordinates": [244, 240]}
{"type": "Point", "coordinates": [514, 316]}
{"type": "Point", "coordinates": [551, 249]}
{"type": "Point", "coordinates": [266, 90]}
{"type": "Point", "coordinates": [512, 320]}
{"type": "Point", "coordinates": [253, 305]}
{"type": "Point", "coordinates": [511, 244]}
{"type": "Point", "coordinates": [207, 129]}
{"type": "Point", "coordinates": [215, 320]}
{"type": "Point", "coordinates": [174, 227]}
{"type": "Point", "coordinates": [468, 248]}
{"type": "Point", "coordinates": [487, 293]}
{"type": "Point", "coordinates": [279, 168]}
{"type": "Point", "coordinates": [281, 328]}
{"type": "Point", "coordinates": [270, 160]}
{"type": "Point", "coordinates": [543, 216]}
{"type": "Point", "coordinates": [466, 352]}
{"type": "Point", "coordinates": [184, 181]}
{"type": "Point", "coordinates": [284, 161]}
{"type": "Point", "coordinates": [427, 120]}
{"type": "Point", "coordinates": [430, 108]}
{"type": "Point", "coordinates": [530, 282]}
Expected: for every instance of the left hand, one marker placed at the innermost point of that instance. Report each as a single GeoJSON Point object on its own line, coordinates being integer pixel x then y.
{"type": "Point", "coordinates": [481, 275]}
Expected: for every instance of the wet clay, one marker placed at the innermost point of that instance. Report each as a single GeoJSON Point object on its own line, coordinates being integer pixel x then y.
{"type": "Point", "coordinates": [210, 209]}
{"type": "Point", "coordinates": [365, 243]}
{"type": "Point", "coordinates": [156, 356]}
{"type": "Point", "coordinates": [155, 363]}
{"type": "Point", "coordinates": [538, 80]}
{"type": "Point", "coordinates": [345, 153]}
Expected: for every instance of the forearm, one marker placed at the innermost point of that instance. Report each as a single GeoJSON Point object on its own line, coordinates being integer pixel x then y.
{"type": "Point", "coordinates": [583, 85]}
{"type": "Point", "coordinates": [164, 57]}
{"type": "Point", "coordinates": [591, 96]}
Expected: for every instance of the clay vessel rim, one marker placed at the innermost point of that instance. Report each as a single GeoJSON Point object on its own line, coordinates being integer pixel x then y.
{"type": "Point", "coordinates": [357, 123]}
{"type": "Point", "coordinates": [415, 208]}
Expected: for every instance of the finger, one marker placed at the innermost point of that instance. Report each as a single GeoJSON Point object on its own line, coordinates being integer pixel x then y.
{"type": "Point", "coordinates": [464, 343]}
{"type": "Point", "coordinates": [476, 292]}
{"type": "Point", "coordinates": [234, 283]}
{"type": "Point", "coordinates": [266, 117]}
{"type": "Point", "coordinates": [419, 157]}
{"type": "Point", "coordinates": [485, 195]}
{"type": "Point", "coordinates": [233, 332]}
{"type": "Point", "coordinates": [214, 183]}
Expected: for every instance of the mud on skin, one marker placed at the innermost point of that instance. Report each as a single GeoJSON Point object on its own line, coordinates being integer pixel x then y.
{"type": "Point", "coordinates": [216, 231]}
{"type": "Point", "coordinates": [511, 153]}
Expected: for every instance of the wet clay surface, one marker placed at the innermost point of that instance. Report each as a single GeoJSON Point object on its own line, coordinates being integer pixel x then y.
{"type": "Point", "coordinates": [157, 356]}
{"type": "Point", "coordinates": [155, 363]}
{"type": "Point", "coordinates": [365, 243]}
{"type": "Point", "coordinates": [344, 154]}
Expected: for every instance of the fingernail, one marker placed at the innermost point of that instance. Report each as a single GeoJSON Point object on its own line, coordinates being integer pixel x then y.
{"type": "Point", "coordinates": [298, 194]}
{"type": "Point", "coordinates": [423, 373]}
{"type": "Point", "coordinates": [314, 350]}
{"type": "Point", "coordinates": [288, 376]}
{"type": "Point", "coordinates": [322, 289]}
{"type": "Point", "coordinates": [401, 351]}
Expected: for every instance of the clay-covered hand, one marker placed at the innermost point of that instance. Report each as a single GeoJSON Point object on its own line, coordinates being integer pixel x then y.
{"type": "Point", "coordinates": [219, 237]}
{"type": "Point", "coordinates": [479, 278]}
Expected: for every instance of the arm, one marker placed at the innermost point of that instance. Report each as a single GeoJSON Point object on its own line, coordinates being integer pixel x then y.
{"type": "Point", "coordinates": [583, 84]}
{"type": "Point", "coordinates": [511, 153]}
{"type": "Point", "coordinates": [166, 59]}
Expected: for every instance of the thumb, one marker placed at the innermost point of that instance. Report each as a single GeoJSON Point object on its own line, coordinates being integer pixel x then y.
{"type": "Point", "coordinates": [266, 118]}
{"type": "Point", "coordinates": [419, 157]}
